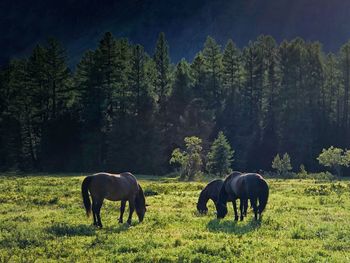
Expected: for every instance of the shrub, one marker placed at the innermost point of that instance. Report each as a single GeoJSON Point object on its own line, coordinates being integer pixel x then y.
{"type": "Point", "coordinates": [190, 160]}
{"type": "Point", "coordinates": [282, 165]}
{"type": "Point", "coordinates": [334, 158]}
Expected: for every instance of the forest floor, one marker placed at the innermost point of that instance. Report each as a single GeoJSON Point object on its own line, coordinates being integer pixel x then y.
{"type": "Point", "coordinates": [42, 220]}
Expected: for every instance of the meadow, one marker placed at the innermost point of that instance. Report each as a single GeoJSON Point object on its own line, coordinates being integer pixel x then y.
{"type": "Point", "coordinates": [42, 220]}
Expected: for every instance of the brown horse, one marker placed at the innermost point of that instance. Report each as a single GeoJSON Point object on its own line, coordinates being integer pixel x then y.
{"type": "Point", "coordinates": [114, 187]}
{"type": "Point", "coordinates": [243, 186]}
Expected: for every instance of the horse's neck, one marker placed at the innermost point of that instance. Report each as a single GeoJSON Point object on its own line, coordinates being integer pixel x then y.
{"type": "Point", "coordinates": [203, 197]}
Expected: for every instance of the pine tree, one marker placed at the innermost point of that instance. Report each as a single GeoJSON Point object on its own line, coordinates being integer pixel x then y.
{"type": "Point", "coordinates": [178, 101]}
{"type": "Point", "coordinates": [162, 63]}
{"type": "Point", "coordinates": [122, 94]}
{"type": "Point", "coordinates": [137, 76]}
{"type": "Point", "coordinates": [213, 67]}
{"type": "Point", "coordinates": [182, 89]}
{"type": "Point", "coordinates": [331, 92]}
{"type": "Point", "coordinates": [344, 59]}
{"type": "Point", "coordinates": [220, 156]}
{"type": "Point", "coordinates": [232, 70]}
{"type": "Point", "coordinates": [56, 74]}
{"type": "Point", "coordinates": [270, 103]}
{"type": "Point", "coordinates": [199, 75]}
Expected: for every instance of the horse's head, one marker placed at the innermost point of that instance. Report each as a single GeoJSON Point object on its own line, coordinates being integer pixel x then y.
{"type": "Point", "coordinates": [202, 208]}
{"type": "Point", "coordinates": [141, 211]}
{"type": "Point", "coordinates": [140, 205]}
{"type": "Point", "coordinates": [221, 207]}
{"type": "Point", "coordinates": [221, 210]}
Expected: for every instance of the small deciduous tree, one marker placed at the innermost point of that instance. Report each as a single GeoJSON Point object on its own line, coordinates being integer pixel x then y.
{"type": "Point", "coordinates": [282, 165]}
{"type": "Point", "coordinates": [190, 160]}
{"type": "Point", "coordinates": [220, 156]}
{"type": "Point", "coordinates": [334, 158]}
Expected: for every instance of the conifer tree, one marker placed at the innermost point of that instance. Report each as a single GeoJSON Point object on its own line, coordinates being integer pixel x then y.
{"type": "Point", "coordinates": [220, 156]}
{"type": "Point", "coordinates": [162, 63]}
{"type": "Point", "coordinates": [213, 67]}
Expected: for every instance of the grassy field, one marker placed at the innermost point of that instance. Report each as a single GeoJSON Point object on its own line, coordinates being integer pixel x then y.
{"type": "Point", "coordinates": [42, 220]}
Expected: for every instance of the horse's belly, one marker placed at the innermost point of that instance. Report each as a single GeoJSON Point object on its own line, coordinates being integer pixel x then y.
{"type": "Point", "coordinates": [116, 196]}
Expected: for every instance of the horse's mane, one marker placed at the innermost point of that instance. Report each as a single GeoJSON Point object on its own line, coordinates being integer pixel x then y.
{"type": "Point", "coordinates": [212, 182]}
{"type": "Point", "coordinates": [140, 197]}
{"type": "Point", "coordinates": [229, 177]}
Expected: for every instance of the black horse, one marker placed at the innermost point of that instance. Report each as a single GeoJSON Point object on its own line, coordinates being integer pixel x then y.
{"type": "Point", "coordinates": [250, 186]}
{"type": "Point", "coordinates": [211, 191]}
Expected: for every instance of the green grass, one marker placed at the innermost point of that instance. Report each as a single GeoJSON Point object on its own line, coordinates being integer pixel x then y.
{"type": "Point", "coordinates": [42, 220]}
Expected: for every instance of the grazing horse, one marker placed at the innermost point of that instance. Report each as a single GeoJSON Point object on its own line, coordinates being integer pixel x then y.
{"type": "Point", "coordinates": [250, 186]}
{"type": "Point", "coordinates": [114, 187]}
{"type": "Point", "coordinates": [211, 191]}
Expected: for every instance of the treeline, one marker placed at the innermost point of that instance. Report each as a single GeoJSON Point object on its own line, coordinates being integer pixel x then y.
{"type": "Point", "coordinates": [124, 110]}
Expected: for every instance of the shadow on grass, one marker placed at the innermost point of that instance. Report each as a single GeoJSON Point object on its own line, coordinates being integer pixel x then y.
{"type": "Point", "coordinates": [233, 227]}
{"type": "Point", "coordinates": [64, 229]}
{"type": "Point", "coordinates": [117, 229]}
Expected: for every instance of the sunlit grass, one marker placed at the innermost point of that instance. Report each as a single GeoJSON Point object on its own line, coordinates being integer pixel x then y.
{"type": "Point", "coordinates": [42, 220]}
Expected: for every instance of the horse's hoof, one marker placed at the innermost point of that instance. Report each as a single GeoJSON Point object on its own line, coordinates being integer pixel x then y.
{"type": "Point", "coordinates": [241, 219]}
{"type": "Point", "coordinates": [120, 221]}
{"type": "Point", "coordinates": [236, 218]}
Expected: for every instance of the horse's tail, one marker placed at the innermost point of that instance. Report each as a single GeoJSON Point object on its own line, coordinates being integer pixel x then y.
{"type": "Point", "coordinates": [263, 196]}
{"type": "Point", "coordinates": [85, 194]}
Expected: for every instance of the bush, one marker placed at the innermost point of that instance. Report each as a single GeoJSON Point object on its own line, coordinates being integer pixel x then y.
{"type": "Point", "coordinates": [323, 176]}
{"type": "Point", "coordinates": [282, 165]}
{"type": "Point", "coordinates": [334, 158]}
{"type": "Point", "coordinates": [190, 160]}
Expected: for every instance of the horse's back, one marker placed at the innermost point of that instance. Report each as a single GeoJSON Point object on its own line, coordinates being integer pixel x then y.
{"type": "Point", "coordinates": [254, 183]}
{"type": "Point", "coordinates": [113, 186]}
{"type": "Point", "coordinates": [244, 184]}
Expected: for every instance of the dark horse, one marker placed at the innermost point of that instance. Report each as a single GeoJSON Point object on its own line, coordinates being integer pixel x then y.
{"type": "Point", "coordinates": [114, 187]}
{"type": "Point", "coordinates": [211, 191]}
{"type": "Point", "coordinates": [243, 186]}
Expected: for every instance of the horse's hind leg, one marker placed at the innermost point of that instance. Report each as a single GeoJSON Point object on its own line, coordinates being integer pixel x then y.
{"type": "Point", "coordinates": [94, 213]}
{"type": "Point", "coordinates": [245, 208]}
{"type": "Point", "coordinates": [241, 208]}
{"type": "Point", "coordinates": [97, 209]}
{"type": "Point", "coordinates": [235, 209]}
{"type": "Point", "coordinates": [122, 209]}
{"type": "Point", "coordinates": [253, 202]}
{"type": "Point", "coordinates": [131, 210]}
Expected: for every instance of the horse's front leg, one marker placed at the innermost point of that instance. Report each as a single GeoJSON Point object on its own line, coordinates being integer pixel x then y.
{"type": "Point", "coordinates": [235, 209]}
{"type": "Point", "coordinates": [131, 210]}
{"type": "Point", "coordinates": [122, 209]}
